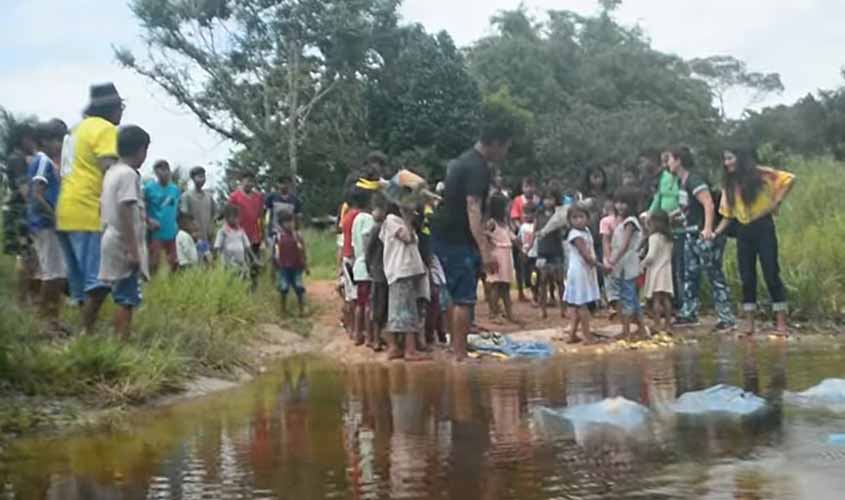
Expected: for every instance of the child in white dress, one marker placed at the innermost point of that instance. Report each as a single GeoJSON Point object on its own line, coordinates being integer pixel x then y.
{"type": "Point", "coordinates": [658, 265]}
{"type": "Point", "coordinates": [582, 286]}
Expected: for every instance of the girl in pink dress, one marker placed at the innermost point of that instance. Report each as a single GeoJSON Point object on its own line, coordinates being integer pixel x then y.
{"type": "Point", "coordinates": [502, 239]}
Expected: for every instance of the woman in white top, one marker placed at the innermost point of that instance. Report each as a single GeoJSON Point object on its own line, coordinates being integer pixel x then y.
{"type": "Point", "coordinates": [582, 286]}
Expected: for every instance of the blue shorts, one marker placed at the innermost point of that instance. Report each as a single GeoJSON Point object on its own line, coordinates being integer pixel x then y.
{"type": "Point", "coordinates": [628, 297]}
{"type": "Point", "coordinates": [82, 260]}
{"type": "Point", "coordinates": [461, 264]}
{"type": "Point", "coordinates": [127, 292]}
{"type": "Point", "coordinates": [287, 278]}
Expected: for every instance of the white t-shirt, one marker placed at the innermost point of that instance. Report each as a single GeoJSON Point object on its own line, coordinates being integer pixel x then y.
{"type": "Point", "coordinates": [401, 259]}
{"type": "Point", "coordinates": [232, 245]}
{"type": "Point", "coordinates": [364, 222]}
{"type": "Point", "coordinates": [121, 186]}
{"type": "Point", "coordinates": [526, 239]}
{"type": "Point", "coordinates": [628, 265]}
{"type": "Point", "coordinates": [186, 249]}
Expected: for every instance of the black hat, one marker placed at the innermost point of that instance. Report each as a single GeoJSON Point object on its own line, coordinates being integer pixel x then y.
{"type": "Point", "coordinates": [196, 171]}
{"type": "Point", "coordinates": [103, 94]}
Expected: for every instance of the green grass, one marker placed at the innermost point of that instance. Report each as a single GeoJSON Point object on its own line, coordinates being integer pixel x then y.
{"type": "Point", "coordinates": [322, 253]}
{"type": "Point", "coordinates": [195, 323]}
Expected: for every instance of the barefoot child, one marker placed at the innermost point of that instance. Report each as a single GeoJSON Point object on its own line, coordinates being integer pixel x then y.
{"type": "Point", "coordinates": [658, 265]}
{"type": "Point", "coordinates": [607, 225]}
{"type": "Point", "coordinates": [502, 240]}
{"type": "Point", "coordinates": [528, 253]}
{"type": "Point", "coordinates": [624, 263]}
{"type": "Point", "coordinates": [550, 257]}
{"type": "Point", "coordinates": [362, 225]}
{"type": "Point", "coordinates": [290, 260]}
{"type": "Point", "coordinates": [232, 243]}
{"type": "Point", "coordinates": [582, 286]}
{"type": "Point", "coordinates": [407, 281]}
{"type": "Point", "coordinates": [374, 259]}
{"type": "Point", "coordinates": [123, 260]}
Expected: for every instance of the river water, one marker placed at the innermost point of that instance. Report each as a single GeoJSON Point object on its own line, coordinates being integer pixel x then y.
{"type": "Point", "coordinates": [310, 430]}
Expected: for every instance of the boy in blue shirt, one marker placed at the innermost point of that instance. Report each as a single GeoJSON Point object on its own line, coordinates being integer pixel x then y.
{"type": "Point", "coordinates": [43, 192]}
{"type": "Point", "coordinates": [162, 202]}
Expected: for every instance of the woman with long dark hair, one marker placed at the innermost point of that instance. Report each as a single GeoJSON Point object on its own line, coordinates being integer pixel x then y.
{"type": "Point", "coordinates": [751, 196]}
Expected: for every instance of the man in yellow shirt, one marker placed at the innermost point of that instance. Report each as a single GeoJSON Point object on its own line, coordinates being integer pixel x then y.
{"type": "Point", "coordinates": [86, 155]}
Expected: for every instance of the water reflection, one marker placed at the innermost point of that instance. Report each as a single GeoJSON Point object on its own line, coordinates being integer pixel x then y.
{"type": "Point", "coordinates": [310, 430]}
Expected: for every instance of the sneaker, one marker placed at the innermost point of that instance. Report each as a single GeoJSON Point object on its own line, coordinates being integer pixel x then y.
{"type": "Point", "coordinates": [723, 327]}
{"type": "Point", "coordinates": [686, 322]}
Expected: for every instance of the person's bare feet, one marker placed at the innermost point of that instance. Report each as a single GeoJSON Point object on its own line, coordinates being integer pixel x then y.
{"type": "Point", "coordinates": [394, 353]}
{"type": "Point", "coordinates": [573, 340]}
{"type": "Point", "coordinates": [417, 356]}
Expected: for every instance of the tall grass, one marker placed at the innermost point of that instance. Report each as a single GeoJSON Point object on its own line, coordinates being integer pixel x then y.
{"type": "Point", "coordinates": [322, 253]}
{"type": "Point", "coordinates": [198, 322]}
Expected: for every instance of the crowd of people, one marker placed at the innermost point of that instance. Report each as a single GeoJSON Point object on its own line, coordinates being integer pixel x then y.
{"type": "Point", "coordinates": [82, 221]}
{"type": "Point", "coordinates": [409, 273]}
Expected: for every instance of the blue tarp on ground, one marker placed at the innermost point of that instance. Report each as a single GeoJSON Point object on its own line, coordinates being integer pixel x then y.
{"type": "Point", "coordinates": [829, 395]}
{"type": "Point", "coordinates": [505, 346]}
{"type": "Point", "coordinates": [719, 400]}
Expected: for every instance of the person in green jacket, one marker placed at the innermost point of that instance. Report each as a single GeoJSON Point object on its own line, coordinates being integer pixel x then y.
{"type": "Point", "coordinates": [667, 198]}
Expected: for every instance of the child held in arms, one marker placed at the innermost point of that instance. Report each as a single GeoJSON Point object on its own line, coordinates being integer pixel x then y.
{"type": "Point", "coordinates": [123, 260]}
{"type": "Point", "coordinates": [290, 260]}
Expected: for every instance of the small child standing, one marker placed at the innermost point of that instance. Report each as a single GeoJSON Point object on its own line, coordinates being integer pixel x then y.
{"type": "Point", "coordinates": [407, 280]}
{"type": "Point", "coordinates": [186, 248]}
{"type": "Point", "coordinates": [658, 265]}
{"type": "Point", "coordinates": [550, 256]}
{"type": "Point", "coordinates": [290, 260]}
{"type": "Point", "coordinates": [362, 225]}
{"type": "Point", "coordinates": [123, 250]}
{"type": "Point", "coordinates": [502, 240]}
{"type": "Point", "coordinates": [232, 243]}
{"type": "Point", "coordinates": [528, 253]}
{"type": "Point", "coordinates": [374, 259]}
{"type": "Point", "coordinates": [582, 286]}
{"type": "Point", "coordinates": [624, 263]}
{"type": "Point", "coordinates": [607, 225]}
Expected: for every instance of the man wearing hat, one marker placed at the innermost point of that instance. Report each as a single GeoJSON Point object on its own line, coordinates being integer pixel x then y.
{"type": "Point", "coordinates": [44, 183]}
{"type": "Point", "coordinates": [201, 207]}
{"type": "Point", "coordinates": [93, 149]}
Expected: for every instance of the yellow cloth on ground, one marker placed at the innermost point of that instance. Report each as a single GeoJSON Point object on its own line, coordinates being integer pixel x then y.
{"type": "Point", "coordinates": [78, 208]}
{"type": "Point", "coordinates": [775, 182]}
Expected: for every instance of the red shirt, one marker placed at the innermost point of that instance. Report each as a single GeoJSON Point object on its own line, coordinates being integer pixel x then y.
{"type": "Point", "coordinates": [518, 207]}
{"type": "Point", "coordinates": [289, 251]}
{"type": "Point", "coordinates": [251, 208]}
{"type": "Point", "coordinates": [346, 227]}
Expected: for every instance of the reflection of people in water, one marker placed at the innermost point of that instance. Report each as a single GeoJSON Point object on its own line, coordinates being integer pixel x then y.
{"type": "Point", "coordinates": [409, 448]}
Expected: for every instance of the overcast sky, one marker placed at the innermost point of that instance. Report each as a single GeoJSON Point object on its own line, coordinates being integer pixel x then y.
{"type": "Point", "coordinates": [51, 50]}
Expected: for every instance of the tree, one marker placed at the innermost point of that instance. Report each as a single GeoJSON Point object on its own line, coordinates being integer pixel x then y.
{"type": "Point", "coordinates": [423, 104]}
{"type": "Point", "coordinates": [9, 132]}
{"type": "Point", "coordinates": [255, 71]}
{"type": "Point", "coordinates": [597, 90]}
{"type": "Point", "coordinates": [725, 73]}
